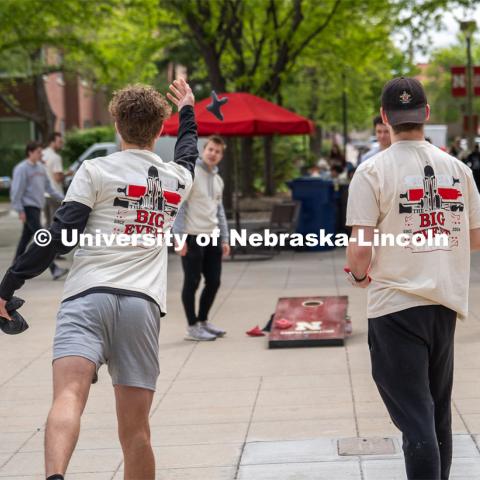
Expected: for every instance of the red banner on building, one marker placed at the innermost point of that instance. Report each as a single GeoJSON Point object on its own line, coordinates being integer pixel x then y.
{"type": "Point", "coordinates": [459, 81]}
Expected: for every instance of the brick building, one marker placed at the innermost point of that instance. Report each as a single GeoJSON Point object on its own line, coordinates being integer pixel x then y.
{"type": "Point", "coordinates": [73, 100]}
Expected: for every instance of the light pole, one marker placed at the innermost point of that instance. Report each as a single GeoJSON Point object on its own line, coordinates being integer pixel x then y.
{"type": "Point", "coordinates": [468, 27]}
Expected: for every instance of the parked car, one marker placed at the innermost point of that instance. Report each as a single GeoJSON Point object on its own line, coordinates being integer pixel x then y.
{"type": "Point", "coordinates": [93, 151]}
{"type": "Point", "coordinates": [164, 148]}
{"type": "Point", "coordinates": [5, 183]}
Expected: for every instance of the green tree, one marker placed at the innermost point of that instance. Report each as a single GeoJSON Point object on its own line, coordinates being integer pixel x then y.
{"type": "Point", "coordinates": [356, 61]}
{"type": "Point", "coordinates": [445, 107]}
{"type": "Point", "coordinates": [283, 49]}
{"type": "Point", "coordinates": [109, 42]}
{"type": "Point", "coordinates": [28, 27]}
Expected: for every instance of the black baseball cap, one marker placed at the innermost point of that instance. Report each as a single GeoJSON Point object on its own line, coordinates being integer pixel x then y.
{"type": "Point", "coordinates": [404, 101]}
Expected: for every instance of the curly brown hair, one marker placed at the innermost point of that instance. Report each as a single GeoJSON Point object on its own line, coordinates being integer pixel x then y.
{"type": "Point", "coordinates": [139, 112]}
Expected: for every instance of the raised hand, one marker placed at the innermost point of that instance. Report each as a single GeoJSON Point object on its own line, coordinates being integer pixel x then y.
{"type": "Point", "coordinates": [181, 94]}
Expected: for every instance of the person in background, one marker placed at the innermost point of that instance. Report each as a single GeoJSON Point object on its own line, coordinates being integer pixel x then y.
{"type": "Point", "coordinates": [456, 149]}
{"type": "Point", "coordinates": [336, 171]}
{"type": "Point", "coordinates": [336, 155]}
{"type": "Point", "coordinates": [383, 138]}
{"type": "Point", "coordinates": [314, 171]}
{"type": "Point", "coordinates": [324, 169]}
{"type": "Point", "coordinates": [29, 185]}
{"type": "Point", "coordinates": [473, 161]}
{"type": "Point", "coordinates": [54, 166]}
{"type": "Point", "coordinates": [203, 213]}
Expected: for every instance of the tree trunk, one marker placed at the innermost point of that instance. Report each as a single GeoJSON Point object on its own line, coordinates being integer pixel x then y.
{"type": "Point", "coordinates": [247, 166]}
{"type": "Point", "coordinates": [46, 125]}
{"type": "Point", "coordinates": [316, 140]}
{"type": "Point", "coordinates": [215, 76]}
{"type": "Point", "coordinates": [269, 180]}
{"type": "Point", "coordinates": [316, 137]}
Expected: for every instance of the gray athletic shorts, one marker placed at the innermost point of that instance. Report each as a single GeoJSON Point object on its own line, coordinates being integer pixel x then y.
{"type": "Point", "coordinates": [118, 330]}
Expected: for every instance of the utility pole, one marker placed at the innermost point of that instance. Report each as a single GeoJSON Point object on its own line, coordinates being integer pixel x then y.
{"type": "Point", "coordinates": [468, 27]}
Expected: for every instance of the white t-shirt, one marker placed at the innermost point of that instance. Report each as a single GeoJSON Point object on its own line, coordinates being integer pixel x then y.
{"type": "Point", "coordinates": [413, 187]}
{"type": "Point", "coordinates": [130, 192]}
{"type": "Point", "coordinates": [53, 164]}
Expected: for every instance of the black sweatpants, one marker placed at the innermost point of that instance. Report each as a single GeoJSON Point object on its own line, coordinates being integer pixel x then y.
{"type": "Point", "coordinates": [31, 225]}
{"type": "Point", "coordinates": [198, 261]}
{"type": "Point", "coordinates": [412, 365]}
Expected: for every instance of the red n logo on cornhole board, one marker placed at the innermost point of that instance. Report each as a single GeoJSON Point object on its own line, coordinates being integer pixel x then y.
{"type": "Point", "coordinates": [309, 322]}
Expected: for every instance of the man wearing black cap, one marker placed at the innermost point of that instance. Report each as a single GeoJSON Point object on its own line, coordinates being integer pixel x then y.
{"type": "Point", "coordinates": [414, 190]}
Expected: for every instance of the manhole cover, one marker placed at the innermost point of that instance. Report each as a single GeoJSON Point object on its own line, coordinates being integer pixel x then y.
{"type": "Point", "coordinates": [366, 446]}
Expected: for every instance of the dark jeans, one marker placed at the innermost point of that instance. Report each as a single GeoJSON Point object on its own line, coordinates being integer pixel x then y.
{"type": "Point", "coordinates": [31, 225]}
{"type": "Point", "coordinates": [200, 260]}
{"type": "Point", "coordinates": [412, 365]}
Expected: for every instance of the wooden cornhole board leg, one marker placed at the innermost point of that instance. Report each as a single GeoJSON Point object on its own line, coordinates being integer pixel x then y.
{"type": "Point", "coordinates": [317, 321]}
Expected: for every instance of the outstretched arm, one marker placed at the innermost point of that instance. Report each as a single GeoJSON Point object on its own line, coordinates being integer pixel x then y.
{"type": "Point", "coordinates": [186, 151]}
{"type": "Point", "coordinates": [69, 217]}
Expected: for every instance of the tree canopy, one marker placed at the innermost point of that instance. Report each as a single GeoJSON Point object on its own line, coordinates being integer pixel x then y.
{"type": "Point", "coordinates": [445, 107]}
{"type": "Point", "coordinates": [110, 42]}
{"type": "Point", "coordinates": [304, 54]}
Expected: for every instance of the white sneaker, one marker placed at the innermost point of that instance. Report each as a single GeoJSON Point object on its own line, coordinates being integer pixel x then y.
{"type": "Point", "coordinates": [199, 334]}
{"type": "Point", "coordinates": [212, 329]}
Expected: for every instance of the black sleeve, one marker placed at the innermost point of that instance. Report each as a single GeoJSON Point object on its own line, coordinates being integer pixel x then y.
{"type": "Point", "coordinates": [69, 217]}
{"type": "Point", "coordinates": [186, 151]}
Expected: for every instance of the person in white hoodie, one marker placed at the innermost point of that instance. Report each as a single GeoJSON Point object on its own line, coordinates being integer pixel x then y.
{"type": "Point", "coordinates": [203, 213]}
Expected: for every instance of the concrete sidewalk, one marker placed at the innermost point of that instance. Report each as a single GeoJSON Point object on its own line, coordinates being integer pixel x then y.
{"type": "Point", "coordinates": [232, 408]}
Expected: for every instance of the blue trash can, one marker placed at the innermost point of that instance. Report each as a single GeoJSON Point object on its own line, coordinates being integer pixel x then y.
{"type": "Point", "coordinates": [318, 206]}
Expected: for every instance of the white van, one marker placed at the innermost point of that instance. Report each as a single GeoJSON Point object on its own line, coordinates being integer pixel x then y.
{"type": "Point", "coordinates": [164, 148]}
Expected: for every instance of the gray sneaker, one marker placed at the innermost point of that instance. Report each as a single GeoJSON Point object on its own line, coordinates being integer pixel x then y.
{"type": "Point", "coordinates": [199, 334]}
{"type": "Point", "coordinates": [212, 329]}
{"type": "Point", "coordinates": [59, 272]}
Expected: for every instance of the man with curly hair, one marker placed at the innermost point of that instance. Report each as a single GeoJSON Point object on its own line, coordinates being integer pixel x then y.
{"type": "Point", "coordinates": [115, 294]}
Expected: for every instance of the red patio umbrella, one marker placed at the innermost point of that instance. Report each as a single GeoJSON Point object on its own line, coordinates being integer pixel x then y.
{"type": "Point", "coordinates": [245, 115]}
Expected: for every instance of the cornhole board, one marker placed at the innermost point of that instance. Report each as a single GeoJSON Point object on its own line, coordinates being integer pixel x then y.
{"type": "Point", "coordinates": [317, 321]}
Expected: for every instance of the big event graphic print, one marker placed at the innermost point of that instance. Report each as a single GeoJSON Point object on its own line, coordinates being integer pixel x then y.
{"type": "Point", "coordinates": [154, 205]}
{"type": "Point", "coordinates": [432, 204]}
